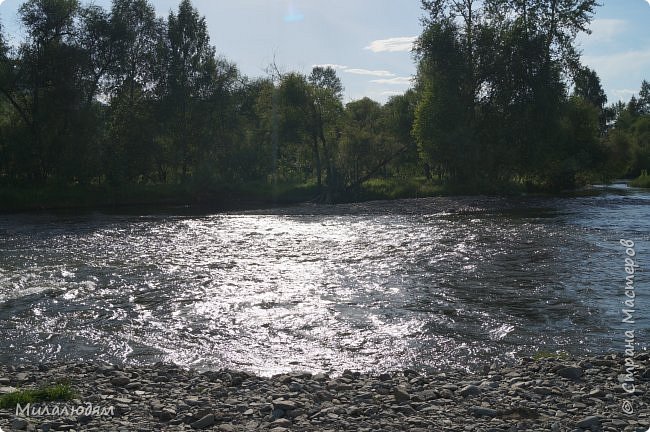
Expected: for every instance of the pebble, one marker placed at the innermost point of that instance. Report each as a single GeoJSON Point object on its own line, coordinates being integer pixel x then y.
{"type": "Point", "coordinates": [401, 395]}
{"type": "Point", "coordinates": [571, 372]}
{"type": "Point", "coordinates": [203, 422]}
{"type": "Point", "coordinates": [590, 422]}
{"type": "Point", "coordinates": [469, 390]}
{"type": "Point", "coordinates": [533, 395]}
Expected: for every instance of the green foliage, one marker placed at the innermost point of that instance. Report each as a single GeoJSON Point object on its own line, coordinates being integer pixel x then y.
{"type": "Point", "coordinates": [105, 107]}
{"type": "Point", "coordinates": [396, 188]}
{"type": "Point", "coordinates": [493, 101]}
{"type": "Point", "coordinates": [544, 355]}
{"type": "Point", "coordinates": [58, 392]}
{"type": "Point", "coordinates": [643, 181]}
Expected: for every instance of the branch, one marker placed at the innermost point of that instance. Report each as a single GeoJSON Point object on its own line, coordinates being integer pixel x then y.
{"type": "Point", "coordinates": [16, 106]}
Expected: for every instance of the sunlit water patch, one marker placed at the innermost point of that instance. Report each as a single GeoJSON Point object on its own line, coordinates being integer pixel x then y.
{"type": "Point", "coordinates": [427, 283]}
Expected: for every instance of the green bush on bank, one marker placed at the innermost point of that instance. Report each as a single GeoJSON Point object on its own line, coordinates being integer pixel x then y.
{"type": "Point", "coordinates": [58, 392]}
{"type": "Point", "coordinates": [643, 181]}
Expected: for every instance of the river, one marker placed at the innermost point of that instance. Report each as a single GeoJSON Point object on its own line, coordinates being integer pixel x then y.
{"type": "Point", "coordinates": [425, 284]}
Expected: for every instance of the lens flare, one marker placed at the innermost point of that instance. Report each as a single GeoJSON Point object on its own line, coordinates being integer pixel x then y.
{"type": "Point", "coordinates": [293, 15]}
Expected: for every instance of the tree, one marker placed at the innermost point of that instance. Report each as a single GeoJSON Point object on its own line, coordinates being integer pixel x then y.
{"type": "Point", "coordinates": [190, 82]}
{"type": "Point", "coordinates": [364, 143]}
{"type": "Point", "coordinates": [96, 35]}
{"type": "Point", "coordinates": [496, 62]}
{"type": "Point", "coordinates": [588, 87]}
{"type": "Point", "coordinates": [49, 71]}
{"type": "Point", "coordinates": [326, 109]}
{"type": "Point", "coordinates": [134, 85]}
{"type": "Point", "coordinates": [443, 125]}
{"type": "Point", "coordinates": [397, 119]}
{"type": "Point", "coordinates": [644, 98]}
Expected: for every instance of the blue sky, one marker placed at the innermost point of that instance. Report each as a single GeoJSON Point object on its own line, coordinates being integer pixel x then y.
{"type": "Point", "coordinates": [368, 41]}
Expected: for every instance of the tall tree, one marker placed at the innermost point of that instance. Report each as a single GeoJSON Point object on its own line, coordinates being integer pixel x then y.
{"type": "Point", "coordinates": [644, 98]}
{"type": "Point", "coordinates": [327, 108]}
{"type": "Point", "coordinates": [51, 64]}
{"type": "Point", "coordinates": [190, 82]}
{"type": "Point", "coordinates": [443, 124]}
{"type": "Point", "coordinates": [133, 86]}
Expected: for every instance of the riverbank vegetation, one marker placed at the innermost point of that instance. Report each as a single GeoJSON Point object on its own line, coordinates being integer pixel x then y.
{"type": "Point", "coordinates": [105, 107]}
{"type": "Point", "coordinates": [53, 393]}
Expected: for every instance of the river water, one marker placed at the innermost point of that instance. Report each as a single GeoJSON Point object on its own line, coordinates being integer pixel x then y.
{"type": "Point", "coordinates": [425, 284]}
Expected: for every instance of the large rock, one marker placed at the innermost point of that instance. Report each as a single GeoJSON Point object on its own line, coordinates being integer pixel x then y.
{"type": "Point", "coordinates": [120, 381]}
{"type": "Point", "coordinates": [483, 411]}
{"type": "Point", "coordinates": [203, 422]}
{"type": "Point", "coordinates": [401, 395]}
{"type": "Point", "coordinates": [284, 404]}
{"type": "Point", "coordinates": [470, 390]}
{"type": "Point", "coordinates": [571, 372]}
{"type": "Point", "coordinates": [591, 422]}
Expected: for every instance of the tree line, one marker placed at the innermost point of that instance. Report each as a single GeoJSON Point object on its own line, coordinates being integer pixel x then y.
{"type": "Point", "coordinates": [123, 97]}
{"type": "Point", "coordinates": [504, 98]}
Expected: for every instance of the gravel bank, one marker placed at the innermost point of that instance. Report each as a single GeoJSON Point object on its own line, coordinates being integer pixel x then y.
{"type": "Point", "coordinates": [535, 395]}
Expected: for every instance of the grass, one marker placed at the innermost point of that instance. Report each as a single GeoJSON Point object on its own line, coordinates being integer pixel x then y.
{"type": "Point", "coordinates": [643, 181]}
{"type": "Point", "coordinates": [542, 355]}
{"type": "Point", "coordinates": [395, 188]}
{"type": "Point", "coordinates": [58, 392]}
{"type": "Point", "coordinates": [215, 195]}
{"type": "Point", "coordinates": [55, 197]}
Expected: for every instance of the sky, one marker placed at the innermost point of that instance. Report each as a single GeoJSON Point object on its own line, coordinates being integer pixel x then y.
{"type": "Point", "coordinates": [368, 42]}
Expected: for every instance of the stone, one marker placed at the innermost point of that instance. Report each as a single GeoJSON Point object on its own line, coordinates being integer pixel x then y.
{"type": "Point", "coordinates": [591, 422]}
{"type": "Point", "coordinates": [401, 395]}
{"type": "Point", "coordinates": [572, 372]}
{"type": "Point", "coordinates": [120, 381]}
{"type": "Point", "coordinates": [385, 377]}
{"type": "Point", "coordinates": [483, 411]}
{"type": "Point", "coordinates": [203, 422]}
{"type": "Point", "coordinates": [277, 413]}
{"type": "Point", "coordinates": [19, 424]}
{"type": "Point", "coordinates": [281, 423]}
{"type": "Point", "coordinates": [470, 390]}
{"type": "Point", "coordinates": [284, 404]}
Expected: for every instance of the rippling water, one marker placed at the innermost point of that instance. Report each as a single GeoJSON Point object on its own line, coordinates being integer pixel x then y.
{"type": "Point", "coordinates": [427, 283]}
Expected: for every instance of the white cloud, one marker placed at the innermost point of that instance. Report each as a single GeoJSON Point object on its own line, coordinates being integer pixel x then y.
{"type": "Point", "coordinates": [377, 73]}
{"type": "Point", "coordinates": [396, 44]}
{"type": "Point", "coordinates": [648, 1]}
{"type": "Point", "coordinates": [605, 30]}
{"type": "Point", "coordinates": [622, 94]}
{"type": "Point", "coordinates": [391, 93]}
{"type": "Point", "coordinates": [330, 65]}
{"type": "Point", "coordinates": [621, 64]}
{"type": "Point", "coordinates": [394, 81]}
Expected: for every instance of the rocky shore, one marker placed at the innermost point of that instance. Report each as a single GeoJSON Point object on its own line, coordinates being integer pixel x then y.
{"type": "Point", "coordinates": [534, 395]}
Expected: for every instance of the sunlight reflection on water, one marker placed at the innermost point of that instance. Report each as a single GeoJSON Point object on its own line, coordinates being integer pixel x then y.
{"type": "Point", "coordinates": [429, 283]}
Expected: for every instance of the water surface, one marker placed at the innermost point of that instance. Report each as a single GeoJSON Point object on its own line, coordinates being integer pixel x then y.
{"type": "Point", "coordinates": [430, 283]}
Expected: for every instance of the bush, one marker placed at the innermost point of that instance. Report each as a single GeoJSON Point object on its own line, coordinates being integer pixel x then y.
{"type": "Point", "coordinates": [58, 392]}
{"type": "Point", "coordinates": [643, 181]}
